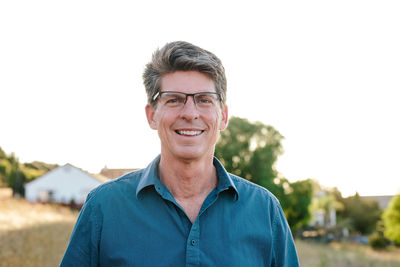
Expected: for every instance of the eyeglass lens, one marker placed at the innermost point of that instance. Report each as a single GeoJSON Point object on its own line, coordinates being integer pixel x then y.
{"type": "Point", "coordinates": [202, 99]}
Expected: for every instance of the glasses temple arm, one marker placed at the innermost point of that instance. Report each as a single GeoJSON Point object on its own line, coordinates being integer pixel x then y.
{"type": "Point", "coordinates": [155, 96]}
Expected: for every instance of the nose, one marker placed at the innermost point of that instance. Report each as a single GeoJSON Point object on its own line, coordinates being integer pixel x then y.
{"type": "Point", "coordinates": [189, 110]}
{"type": "Point", "coordinates": [187, 96]}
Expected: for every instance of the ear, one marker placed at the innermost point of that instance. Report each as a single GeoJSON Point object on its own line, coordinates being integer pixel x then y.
{"type": "Point", "coordinates": [150, 112]}
{"type": "Point", "coordinates": [224, 118]}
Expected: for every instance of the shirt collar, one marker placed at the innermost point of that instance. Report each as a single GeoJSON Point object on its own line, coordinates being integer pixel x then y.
{"type": "Point", "coordinates": [150, 177]}
{"type": "Point", "coordinates": [224, 179]}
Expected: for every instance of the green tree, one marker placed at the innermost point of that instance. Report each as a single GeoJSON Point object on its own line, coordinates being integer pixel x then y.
{"type": "Point", "coordinates": [4, 167]}
{"type": "Point", "coordinates": [296, 203]}
{"type": "Point", "coordinates": [250, 150]}
{"type": "Point", "coordinates": [363, 215]}
{"type": "Point", "coordinates": [15, 179]}
{"type": "Point", "coordinates": [14, 174]}
{"type": "Point", "coordinates": [2, 154]}
{"type": "Point", "coordinates": [391, 218]}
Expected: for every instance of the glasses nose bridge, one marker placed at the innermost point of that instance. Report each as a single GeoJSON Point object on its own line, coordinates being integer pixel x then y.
{"type": "Point", "coordinates": [193, 96]}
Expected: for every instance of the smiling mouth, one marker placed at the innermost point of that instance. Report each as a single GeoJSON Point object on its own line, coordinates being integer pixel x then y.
{"type": "Point", "coordinates": [189, 133]}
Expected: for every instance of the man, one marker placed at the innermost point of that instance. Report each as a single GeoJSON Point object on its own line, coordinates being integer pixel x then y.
{"type": "Point", "coordinates": [184, 209]}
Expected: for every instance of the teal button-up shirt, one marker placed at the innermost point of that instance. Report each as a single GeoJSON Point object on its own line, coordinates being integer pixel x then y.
{"type": "Point", "coordinates": [135, 221]}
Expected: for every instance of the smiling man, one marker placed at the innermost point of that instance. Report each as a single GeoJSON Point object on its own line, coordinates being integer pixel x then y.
{"type": "Point", "coordinates": [184, 209]}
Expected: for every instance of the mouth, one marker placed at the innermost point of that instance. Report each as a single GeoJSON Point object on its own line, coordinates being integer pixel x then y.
{"type": "Point", "coordinates": [189, 133]}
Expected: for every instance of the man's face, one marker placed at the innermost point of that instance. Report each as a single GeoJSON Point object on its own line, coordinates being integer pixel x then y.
{"type": "Point", "coordinates": [188, 132]}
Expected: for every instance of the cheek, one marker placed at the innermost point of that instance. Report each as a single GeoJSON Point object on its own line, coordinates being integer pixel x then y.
{"type": "Point", "coordinates": [218, 116]}
{"type": "Point", "coordinates": [162, 118]}
{"type": "Point", "coordinates": [216, 119]}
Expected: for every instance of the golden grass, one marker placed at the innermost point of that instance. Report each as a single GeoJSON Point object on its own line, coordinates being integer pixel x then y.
{"type": "Point", "coordinates": [5, 193]}
{"type": "Point", "coordinates": [18, 214]}
{"type": "Point", "coordinates": [345, 254]}
{"type": "Point", "coordinates": [33, 234]}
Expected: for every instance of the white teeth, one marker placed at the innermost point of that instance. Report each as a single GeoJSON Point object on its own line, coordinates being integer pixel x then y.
{"type": "Point", "coordinates": [189, 132]}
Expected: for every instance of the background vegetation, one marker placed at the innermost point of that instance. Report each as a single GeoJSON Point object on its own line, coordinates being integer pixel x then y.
{"type": "Point", "coordinates": [391, 219]}
{"type": "Point", "coordinates": [14, 174]}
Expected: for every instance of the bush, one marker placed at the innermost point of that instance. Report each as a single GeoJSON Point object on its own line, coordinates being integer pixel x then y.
{"type": "Point", "coordinates": [378, 241]}
{"type": "Point", "coordinates": [391, 218]}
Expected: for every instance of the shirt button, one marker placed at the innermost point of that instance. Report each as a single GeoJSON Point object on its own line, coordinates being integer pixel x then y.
{"type": "Point", "coordinates": [193, 242]}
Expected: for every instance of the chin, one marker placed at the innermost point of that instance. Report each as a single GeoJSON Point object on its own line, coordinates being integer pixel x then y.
{"type": "Point", "coordinates": [192, 154]}
{"type": "Point", "coordinates": [188, 156]}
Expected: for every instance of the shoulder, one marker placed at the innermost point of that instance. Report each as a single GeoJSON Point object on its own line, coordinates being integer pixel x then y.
{"type": "Point", "coordinates": [118, 186]}
{"type": "Point", "coordinates": [249, 190]}
{"type": "Point", "coordinates": [258, 202]}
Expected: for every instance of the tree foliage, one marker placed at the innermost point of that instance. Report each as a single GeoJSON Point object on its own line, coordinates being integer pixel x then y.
{"type": "Point", "coordinates": [11, 174]}
{"type": "Point", "coordinates": [250, 150]}
{"type": "Point", "coordinates": [296, 203]}
{"type": "Point", "coordinates": [362, 214]}
{"type": "Point", "coordinates": [2, 154]}
{"type": "Point", "coordinates": [391, 218]}
{"type": "Point", "coordinates": [14, 174]}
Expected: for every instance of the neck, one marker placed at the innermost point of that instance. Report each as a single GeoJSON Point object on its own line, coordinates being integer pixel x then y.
{"type": "Point", "coordinates": [188, 179]}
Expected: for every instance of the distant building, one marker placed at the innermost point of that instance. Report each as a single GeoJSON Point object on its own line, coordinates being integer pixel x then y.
{"type": "Point", "coordinates": [323, 218]}
{"type": "Point", "coordinates": [324, 212]}
{"type": "Point", "coordinates": [65, 184]}
{"type": "Point", "coordinates": [114, 173]}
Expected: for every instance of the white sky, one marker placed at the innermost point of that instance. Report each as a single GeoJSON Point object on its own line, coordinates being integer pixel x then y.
{"type": "Point", "coordinates": [326, 74]}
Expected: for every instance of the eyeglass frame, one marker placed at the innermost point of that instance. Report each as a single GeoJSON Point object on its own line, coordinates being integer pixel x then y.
{"type": "Point", "coordinates": [159, 93]}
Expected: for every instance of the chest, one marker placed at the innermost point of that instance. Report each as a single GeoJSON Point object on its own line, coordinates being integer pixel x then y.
{"type": "Point", "coordinates": [191, 207]}
{"type": "Point", "coordinates": [219, 236]}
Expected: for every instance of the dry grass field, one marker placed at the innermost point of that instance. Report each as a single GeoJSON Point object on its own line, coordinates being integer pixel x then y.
{"type": "Point", "coordinates": [38, 234]}
{"type": "Point", "coordinates": [33, 234]}
{"type": "Point", "coordinates": [345, 254]}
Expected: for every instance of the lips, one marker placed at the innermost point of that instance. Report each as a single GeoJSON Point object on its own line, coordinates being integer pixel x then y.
{"type": "Point", "coordinates": [189, 132]}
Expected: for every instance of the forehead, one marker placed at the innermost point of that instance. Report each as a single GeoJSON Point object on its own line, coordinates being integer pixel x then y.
{"type": "Point", "coordinates": [187, 82]}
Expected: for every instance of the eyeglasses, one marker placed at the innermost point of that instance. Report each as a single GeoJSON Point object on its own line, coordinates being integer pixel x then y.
{"type": "Point", "coordinates": [173, 99]}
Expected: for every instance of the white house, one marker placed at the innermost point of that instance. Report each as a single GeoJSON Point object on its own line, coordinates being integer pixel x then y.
{"type": "Point", "coordinates": [62, 185]}
{"type": "Point", "coordinates": [323, 209]}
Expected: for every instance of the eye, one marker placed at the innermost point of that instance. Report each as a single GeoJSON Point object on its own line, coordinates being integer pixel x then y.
{"type": "Point", "coordinates": [204, 99]}
{"type": "Point", "coordinates": [173, 99]}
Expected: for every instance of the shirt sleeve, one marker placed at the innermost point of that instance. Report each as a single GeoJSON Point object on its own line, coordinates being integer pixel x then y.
{"type": "Point", "coordinates": [83, 246]}
{"type": "Point", "coordinates": [284, 248]}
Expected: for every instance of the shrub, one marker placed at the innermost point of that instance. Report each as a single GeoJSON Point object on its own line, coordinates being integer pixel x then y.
{"type": "Point", "coordinates": [378, 241]}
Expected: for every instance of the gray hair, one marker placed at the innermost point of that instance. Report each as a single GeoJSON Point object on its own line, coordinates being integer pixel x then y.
{"type": "Point", "coordinates": [183, 56]}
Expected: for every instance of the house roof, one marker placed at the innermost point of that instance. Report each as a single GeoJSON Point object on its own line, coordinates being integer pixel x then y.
{"type": "Point", "coordinates": [97, 177]}
{"type": "Point", "coordinates": [100, 177]}
{"type": "Point", "coordinates": [114, 173]}
{"type": "Point", "coordinates": [383, 201]}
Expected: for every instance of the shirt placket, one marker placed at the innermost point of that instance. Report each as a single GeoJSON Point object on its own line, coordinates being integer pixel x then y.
{"type": "Point", "coordinates": [193, 245]}
{"type": "Point", "coordinates": [193, 241]}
